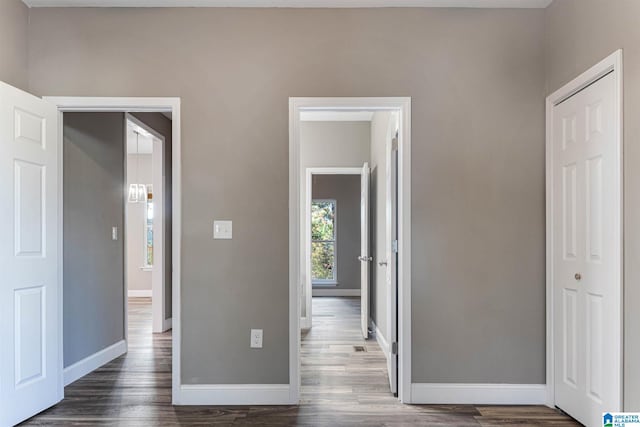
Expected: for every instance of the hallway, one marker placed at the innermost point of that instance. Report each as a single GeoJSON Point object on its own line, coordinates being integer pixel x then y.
{"type": "Point", "coordinates": [340, 387]}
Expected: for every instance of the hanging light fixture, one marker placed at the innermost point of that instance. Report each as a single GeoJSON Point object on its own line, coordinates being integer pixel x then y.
{"type": "Point", "coordinates": [137, 192]}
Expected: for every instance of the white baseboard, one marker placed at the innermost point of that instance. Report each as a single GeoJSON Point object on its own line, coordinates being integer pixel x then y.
{"type": "Point", "coordinates": [382, 341]}
{"type": "Point", "coordinates": [485, 394]}
{"type": "Point", "coordinates": [332, 292]}
{"type": "Point", "coordinates": [234, 394]}
{"type": "Point", "coordinates": [167, 324]}
{"type": "Point", "coordinates": [139, 293]}
{"type": "Point", "coordinates": [93, 362]}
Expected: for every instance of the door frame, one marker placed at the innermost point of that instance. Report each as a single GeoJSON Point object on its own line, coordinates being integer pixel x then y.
{"type": "Point", "coordinates": [134, 105]}
{"type": "Point", "coordinates": [402, 105]}
{"type": "Point", "coordinates": [158, 283]}
{"type": "Point", "coordinates": [306, 322]}
{"type": "Point", "coordinates": [611, 64]}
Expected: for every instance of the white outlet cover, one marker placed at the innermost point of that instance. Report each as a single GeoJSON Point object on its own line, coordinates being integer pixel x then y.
{"type": "Point", "coordinates": [256, 338]}
{"type": "Point", "coordinates": [222, 229]}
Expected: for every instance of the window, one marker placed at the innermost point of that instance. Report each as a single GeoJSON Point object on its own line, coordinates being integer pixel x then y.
{"type": "Point", "coordinates": [148, 228]}
{"type": "Point", "coordinates": [323, 241]}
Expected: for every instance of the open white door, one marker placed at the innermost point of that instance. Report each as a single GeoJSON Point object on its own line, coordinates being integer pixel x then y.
{"type": "Point", "coordinates": [392, 257]}
{"type": "Point", "coordinates": [30, 326]}
{"type": "Point", "coordinates": [365, 257]}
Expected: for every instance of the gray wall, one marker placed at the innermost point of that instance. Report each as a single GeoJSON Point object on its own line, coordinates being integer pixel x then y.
{"type": "Point", "coordinates": [579, 34]}
{"type": "Point", "coordinates": [14, 20]}
{"type": "Point", "coordinates": [345, 189]}
{"type": "Point", "coordinates": [163, 125]}
{"type": "Point", "coordinates": [93, 262]}
{"type": "Point", "coordinates": [476, 78]}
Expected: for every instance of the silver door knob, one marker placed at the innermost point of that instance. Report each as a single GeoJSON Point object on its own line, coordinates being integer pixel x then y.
{"type": "Point", "coordinates": [365, 258]}
{"type": "Point", "coordinates": [578, 276]}
{"type": "Point", "coordinates": [382, 263]}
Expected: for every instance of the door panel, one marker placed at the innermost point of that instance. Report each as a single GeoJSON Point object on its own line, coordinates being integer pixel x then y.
{"type": "Point", "coordinates": [365, 257]}
{"type": "Point", "coordinates": [30, 360]}
{"type": "Point", "coordinates": [587, 253]}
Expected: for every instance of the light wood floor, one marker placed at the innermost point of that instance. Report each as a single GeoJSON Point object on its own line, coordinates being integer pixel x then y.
{"type": "Point", "coordinates": [340, 387]}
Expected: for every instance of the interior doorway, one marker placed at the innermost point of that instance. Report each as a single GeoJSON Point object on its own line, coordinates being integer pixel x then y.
{"type": "Point", "coordinates": [392, 310]}
{"type": "Point", "coordinates": [147, 176]}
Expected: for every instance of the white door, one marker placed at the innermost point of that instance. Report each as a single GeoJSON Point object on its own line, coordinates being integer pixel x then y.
{"type": "Point", "coordinates": [586, 211]}
{"type": "Point", "coordinates": [392, 257]}
{"type": "Point", "coordinates": [30, 333]}
{"type": "Point", "coordinates": [365, 257]}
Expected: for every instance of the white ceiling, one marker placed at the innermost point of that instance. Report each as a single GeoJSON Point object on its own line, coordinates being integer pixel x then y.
{"type": "Point", "coordinates": [336, 116]}
{"type": "Point", "coordinates": [532, 4]}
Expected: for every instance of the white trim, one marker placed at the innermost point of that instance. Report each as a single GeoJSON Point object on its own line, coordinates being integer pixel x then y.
{"type": "Point", "coordinates": [167, 324]}
{"type": "Point", "coordinates": [479, 394]}
{"type": "Point", "coordinates": [382, 341]}
{"type": "Point", "coordinates": [518, 4]}
{"type": "Point", "coordinates": [333, 292]}
{"type": "Point", "coordinates": [611, 64]}
{"type": "Point", "coordinates": [129, 104]}
{"type": "Point", "coordinates": [235, 394]}
{"type": "Point", "coordinates": [403, 106]}
{"type": "Point", "coordinates": [139, 293]}
{"type": "Point", "coordinates": [93, 362]}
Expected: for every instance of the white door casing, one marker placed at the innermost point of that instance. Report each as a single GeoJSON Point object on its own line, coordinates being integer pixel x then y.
{"type": "Point", "coordinates": [365, 256]}
{"type": "Point", "coordinates": [587, 256]}
{"type": "Point", "coordinates": [30, 316]}
{"type": "Point", "coordinates": [392, 259]}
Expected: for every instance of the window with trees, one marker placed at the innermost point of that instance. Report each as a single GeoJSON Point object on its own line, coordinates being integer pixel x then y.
{"type": "Point", "coordinates": [323, 241]}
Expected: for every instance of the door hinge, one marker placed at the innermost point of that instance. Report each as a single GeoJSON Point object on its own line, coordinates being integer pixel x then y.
{"type": "Point", "coordinates": [394, 246]}
{"type": "Point", "coordinates": [394, 348]}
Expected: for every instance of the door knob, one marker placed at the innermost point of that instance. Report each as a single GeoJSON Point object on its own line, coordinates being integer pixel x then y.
{"type": "Point", "coordinates": [578, 276]}
{"type": "Point", "coordinates": [382, 263]}
{"type": "Point", "coordinates": [365, 258]}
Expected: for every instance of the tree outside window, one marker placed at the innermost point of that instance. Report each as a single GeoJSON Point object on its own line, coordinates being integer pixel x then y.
{"type": "Point", "coordinates": [323, 241]}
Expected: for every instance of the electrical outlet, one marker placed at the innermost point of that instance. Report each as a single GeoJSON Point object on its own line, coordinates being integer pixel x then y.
{"type": "Point", "coordinates": [256, 338]}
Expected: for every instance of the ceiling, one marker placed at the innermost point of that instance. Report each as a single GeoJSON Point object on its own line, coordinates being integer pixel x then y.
{"type": "Point", "coordinates": [532, 4]}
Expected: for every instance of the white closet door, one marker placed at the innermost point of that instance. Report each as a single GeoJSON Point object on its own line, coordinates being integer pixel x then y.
{"type": "Point", "coordinates": [587, 253]}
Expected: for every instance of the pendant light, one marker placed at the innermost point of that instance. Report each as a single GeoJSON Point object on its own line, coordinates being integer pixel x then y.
{"type": "Point", "coordinates": [137, 192]}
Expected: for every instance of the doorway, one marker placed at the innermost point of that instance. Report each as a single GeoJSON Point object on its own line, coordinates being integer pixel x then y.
{"type": "Point", "coordinates": [398, 327]}
{"type": "Point", "coordinates": [147, 205]}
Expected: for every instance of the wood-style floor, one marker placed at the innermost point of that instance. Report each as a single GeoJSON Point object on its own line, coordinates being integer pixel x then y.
{"type": "Point", "coordinates": [340, 387]}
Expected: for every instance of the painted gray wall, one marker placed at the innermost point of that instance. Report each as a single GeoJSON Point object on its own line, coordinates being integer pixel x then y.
{"type": "Point", "coordinates": [14, 20]}
{"type": "Point", "coordinates": [163, 125]}
{"type": "Point", "coordinates": [378, 210]}
{"type": "Point", "coordinates": [476, 78]}
{"type": "Point", "coordinates": [93, 262]}
{"type": "Point", "coordinates": [345, 189]}
{"type": "Point", "coordinates": [579, 34]}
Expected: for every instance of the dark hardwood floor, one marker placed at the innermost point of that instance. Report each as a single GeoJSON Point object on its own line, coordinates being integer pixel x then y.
{"type": "Point", "coordinates": [340, 387]}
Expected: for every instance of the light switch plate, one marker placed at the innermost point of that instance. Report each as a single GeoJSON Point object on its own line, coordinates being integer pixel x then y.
{"type": "Point", "coordinates": [222, 229]}
{"type": "Point", "coordinates": [256, 338]}
{"type": "Point", "coordinates": [114, 233]}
